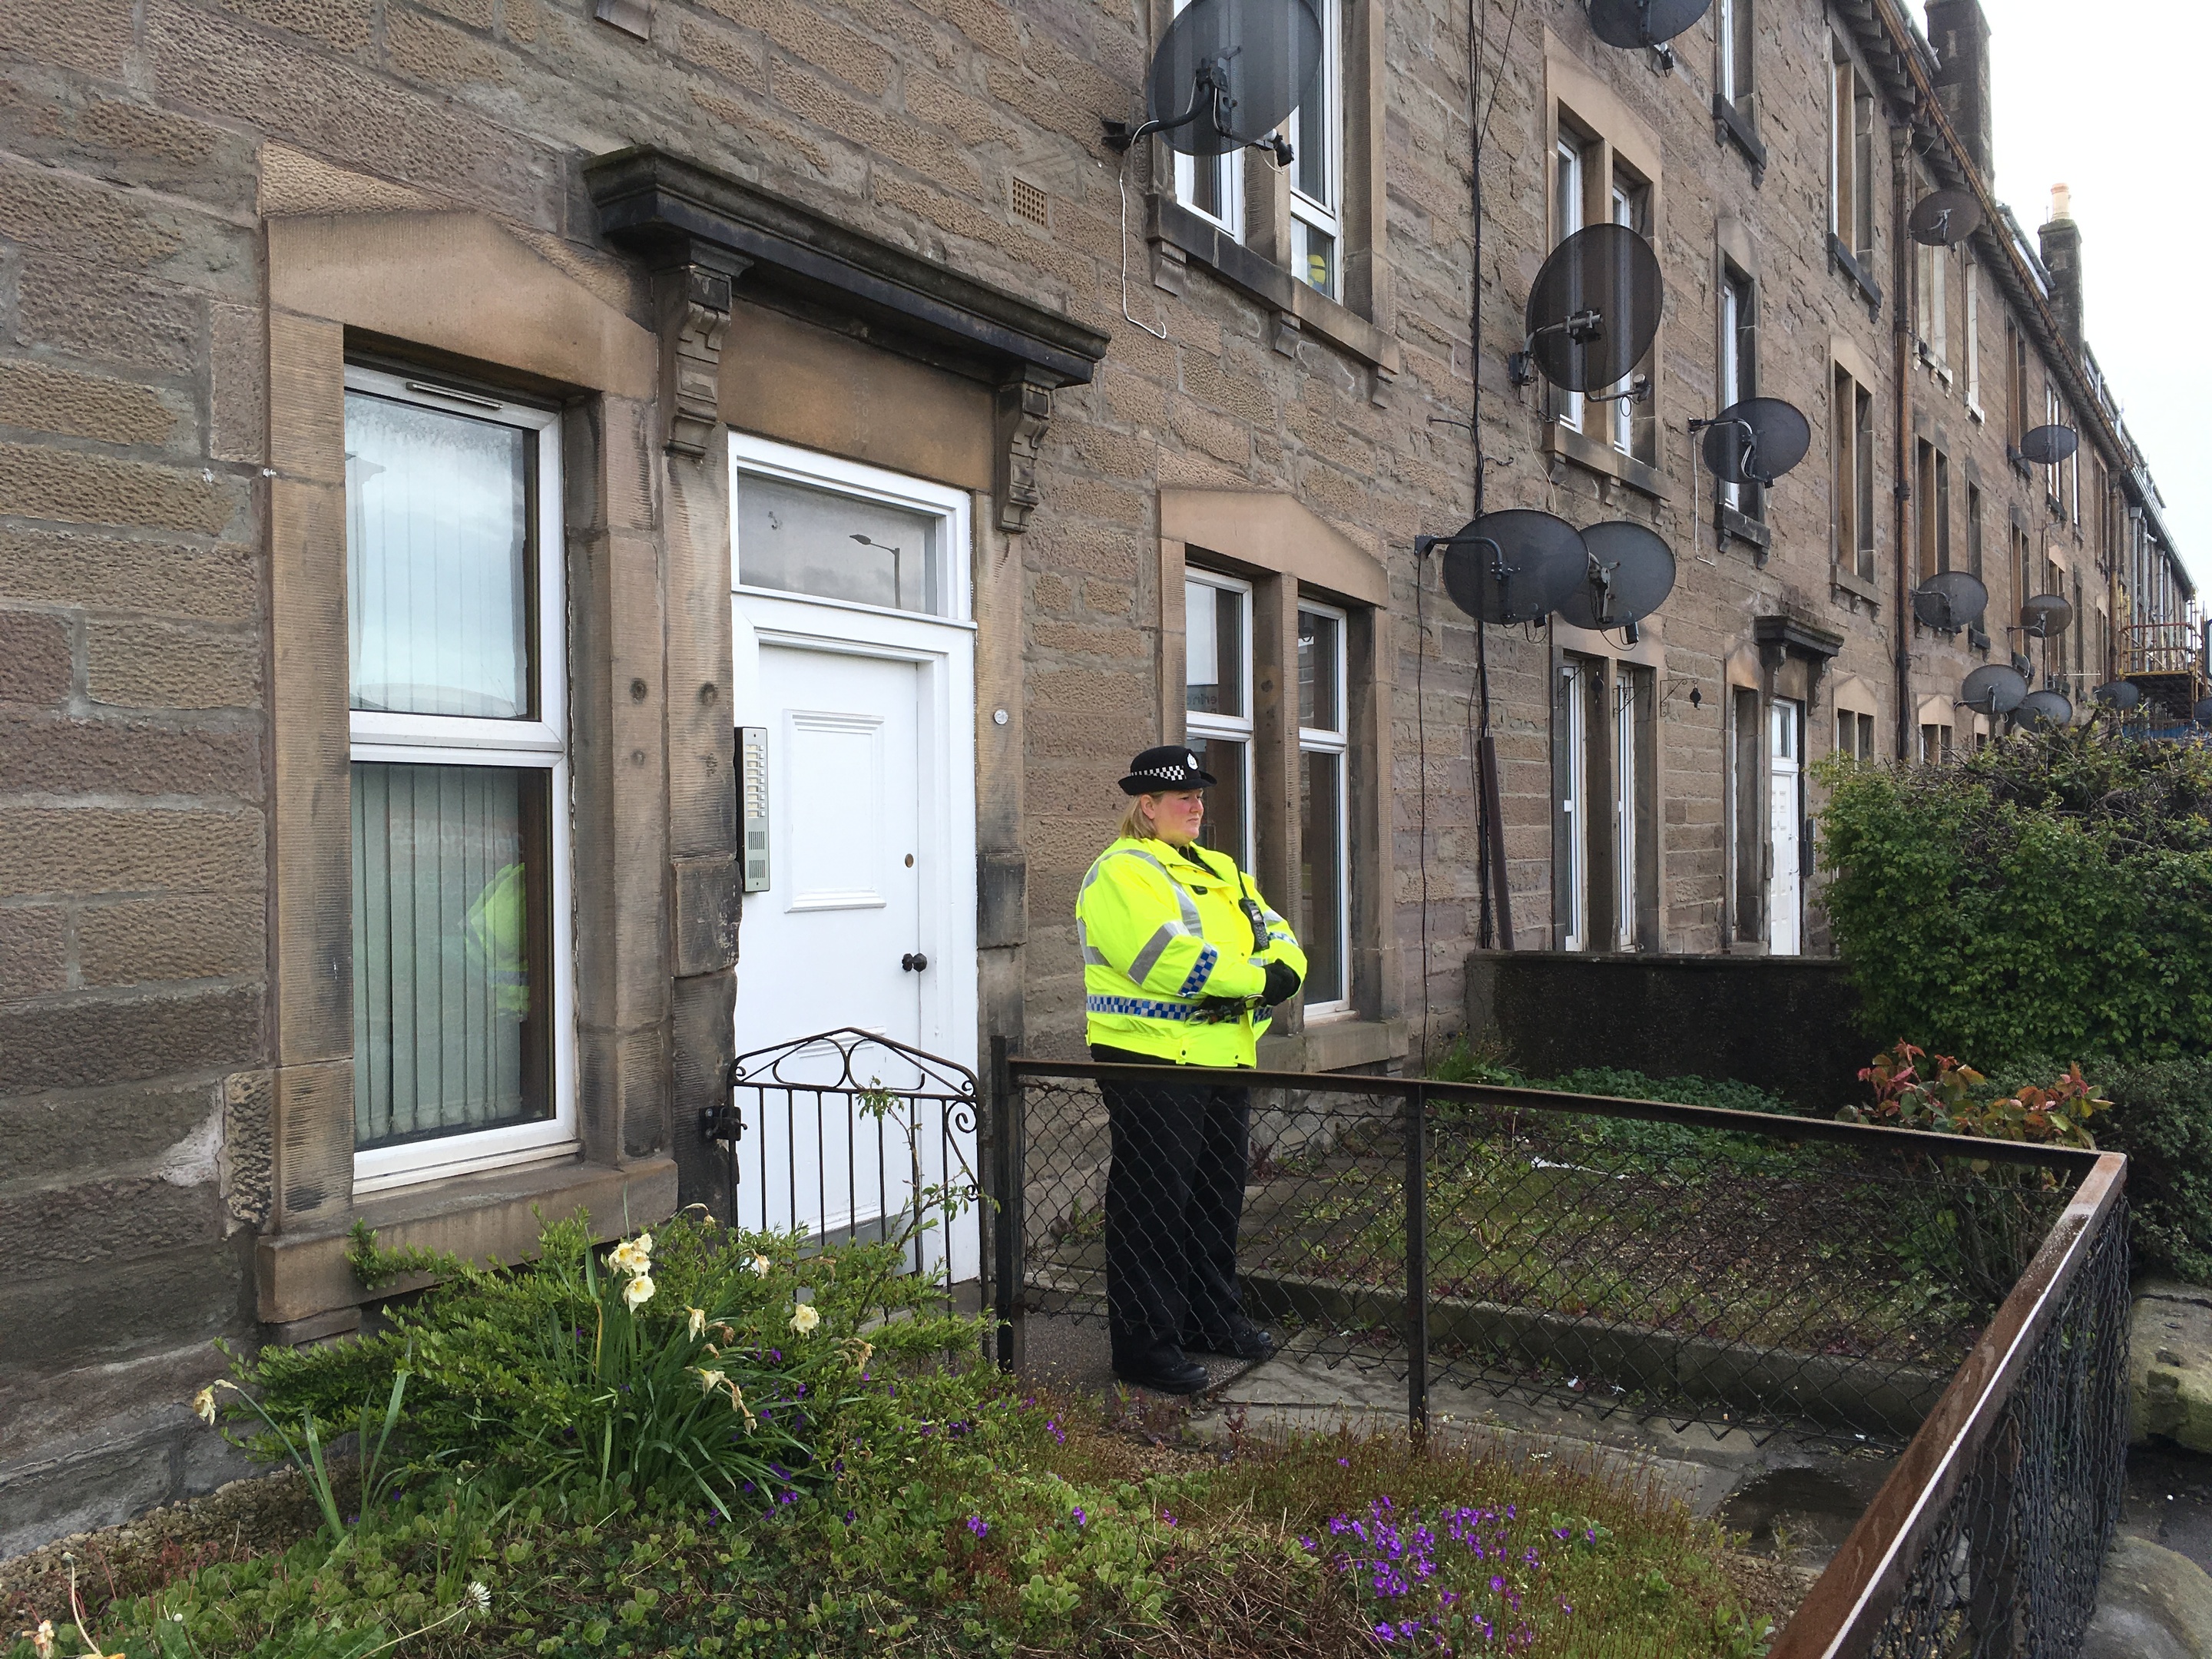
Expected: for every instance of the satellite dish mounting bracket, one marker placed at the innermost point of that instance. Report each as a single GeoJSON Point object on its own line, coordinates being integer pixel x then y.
{"type": "Point", "coordinates": [1209, 96]}
{"type": "Point", "coordinates": [1581, 326]}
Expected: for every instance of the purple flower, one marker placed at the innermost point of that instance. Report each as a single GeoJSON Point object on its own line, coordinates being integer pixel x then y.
{"type": "Point", "coordinates": [1496, 1586]}
{"type": "Point", "coordinates": [1079, 1516]}
{"type": "Point", "coordinates": [1344, 1462]}
{"type": "Point", "coordinates": [1165, 1517]}
{"type": "Point", "coordinates": [851, 1516]}
{"type": "Point", "coordinates": [979, 1526]}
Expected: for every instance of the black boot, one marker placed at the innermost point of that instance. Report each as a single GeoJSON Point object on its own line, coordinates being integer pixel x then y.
{"type": "Point", "coordinates": [1162, 1368]}
{"type": "Point", "coordinates": [1242, 1341]}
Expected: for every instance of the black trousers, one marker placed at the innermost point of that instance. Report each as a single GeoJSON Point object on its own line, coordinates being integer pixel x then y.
{"type": "Point", "coordinates": [1175, 1195]}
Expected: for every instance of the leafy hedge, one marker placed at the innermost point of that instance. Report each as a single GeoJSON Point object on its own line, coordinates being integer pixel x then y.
{"type": "Point", "coordinates": [2049, 896]}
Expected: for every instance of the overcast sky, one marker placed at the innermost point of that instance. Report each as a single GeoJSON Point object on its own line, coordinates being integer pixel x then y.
{"type": "Point", "coordinates": [2109, 98]}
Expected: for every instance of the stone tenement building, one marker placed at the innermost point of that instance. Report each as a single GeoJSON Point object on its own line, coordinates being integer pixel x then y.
{"type": "Point", "coordinates": [439, 435]}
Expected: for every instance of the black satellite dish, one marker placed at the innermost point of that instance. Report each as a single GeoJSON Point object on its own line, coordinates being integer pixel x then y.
{"type": "Point", "coordinates": [1950, 600]}
{"type": "Point", "coordinates": [2047, 445]}
{"type": "Point", "coordinates": [1945, 218]}
{"type": "Point", "coordinates": [1630, 24]}
{"type": "Point", "coordinates": [1226, 74]}
{"type": "Point", "coordinates": [2202, 713]}
{"type": "Point", "coordinates": [1993, 689]}
{"type": "Point", "coordinates": [2043, 708]}
{"type": "Point", "coordinates": [2120, 694]}
{"type": "Point", "coordinates": [1757, 441]}
{"type": "Point", "coordinates": [2045, 616]}
{"type": "Point", "coordinates": [1632, 572]}
{"type": "Point", "coordinates": [1595, 307]}
{"type": "Point", "coordinates": [1515, 565]}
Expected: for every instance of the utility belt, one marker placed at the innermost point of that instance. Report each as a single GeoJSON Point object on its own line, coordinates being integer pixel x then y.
{"type": "Point", "coordinates": [1224, 1011]}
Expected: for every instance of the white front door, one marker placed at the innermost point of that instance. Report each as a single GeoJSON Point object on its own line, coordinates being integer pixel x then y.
{"type": "Point", "coordinates": [834, 940]}
{"type": "Point", "coordinates": [855, 670]}
{"type": "Point", "coordinates": [1785, 817]}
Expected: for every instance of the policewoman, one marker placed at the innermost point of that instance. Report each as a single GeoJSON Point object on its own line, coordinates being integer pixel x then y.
{"type": "Point", "coordinates": [1183, 962]}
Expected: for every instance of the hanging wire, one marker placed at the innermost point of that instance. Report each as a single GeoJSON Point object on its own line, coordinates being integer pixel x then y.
{"type": "Point", "coordinates": [1122, 178]}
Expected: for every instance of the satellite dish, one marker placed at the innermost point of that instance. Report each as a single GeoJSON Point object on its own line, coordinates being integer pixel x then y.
{"type": "Point", "coordinates": [2043, 708]}
{"type": "Point", "coordinates": [2121, 695]}
{"type": "Point", "coordinates": [2202, 713]}
{"type": "Point", "coordinates": [1632, 572]}
{"type": "Point", "coordinates": [1757, 441]}
{"type": "Point", "coordinates": [1945, 218]}
{"type": "Point", "coordinates": [1993, 689]}
{"type": "Point", "coordinates": [2047, 445]}
{"type": "Point", "coordinates": [1515, 565]}
{"type": "Point", "coordinates": [1229, 72]}
{"type": "Point", "coordinates": [1950, 600]}
{"type": "Point", "coordinates": [2045, 616]}
{"type": "Point", "coordinates": [1594, 310]}
{"type": "Point", "coordinates": [1632, 23]}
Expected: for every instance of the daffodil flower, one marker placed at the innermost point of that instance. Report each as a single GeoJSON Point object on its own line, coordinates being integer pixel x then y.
{"type": "Point", "coordinates": [760, 1266]}
{"type": "Point", "coordinates": [203, 1404]}
{"type": "Point", "coordinates": [698, 1321]}
{"type": "Point", "coordinates": [805, 1317]}
{"type": "Point", "coordinates": [633, 1255]}
{"type": "Point", "coordinates": [42, 1639]}
{"type": "Point", "coordinates": [709, 1381]}
{"type": "Point", "coordinates": [638, 1291]}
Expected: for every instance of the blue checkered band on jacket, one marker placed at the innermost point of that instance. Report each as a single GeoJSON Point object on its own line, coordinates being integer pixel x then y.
{"type": "Point", "coordinates": [1201, 971]}
{"type": "Point", "coordinates": [1138, 1006]}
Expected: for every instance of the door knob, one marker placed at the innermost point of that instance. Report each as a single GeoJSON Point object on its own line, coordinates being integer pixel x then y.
{"type": "Point", "coordinates": [913, 962]}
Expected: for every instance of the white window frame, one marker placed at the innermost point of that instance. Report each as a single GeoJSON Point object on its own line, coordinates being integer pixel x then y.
{"type": "Point", "coordinates": [1624, 808]}
{"type": "Point", "coordinates": [1337, 741]}
{"type": "Point", "coordinates": [1736, 292]}
{"type": "Point", "coordinates": [1231, 217]}
{"type": "Point", "coordinates": [1729, 74]}
{"type": "Point", "coordinates": [1574, 803]}
{"type": "Point", "coordinates": [1569, 206]}
{"type": "Point", "coordinates": [1232, 728]}
{"type": "Point", "coordinates": [1971, 323]}
{"type": "Point", "coordinates": [1309, 215]}
{"type": "Point", "coordinates": [539, 745]}
{"type": "Point", "coordinates": [1623, 410]}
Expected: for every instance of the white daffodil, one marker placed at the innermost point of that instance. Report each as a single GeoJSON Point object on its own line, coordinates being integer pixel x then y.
{"type": "Point", "coordinates": [805, 1317]}
{"type": "Point", "coordinates": [638, 1291]}
{"type": "Point", "coordinates": [479, 1596]}
{"type": "Point", "coordinates": [42, 1639]}
{"type": "Point", "coordinates": [633, 1255]}
{"type": "Point", "coordinates": [698, 1317]}
{"type": "Point", "coordinates": [203, 1404]}
{"type": "Point", "coordinates": [760, 1265]}
{"type": "Point", "coordinates": [711, 1380]}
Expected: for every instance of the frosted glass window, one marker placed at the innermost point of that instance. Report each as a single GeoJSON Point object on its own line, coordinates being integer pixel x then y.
{"type": "Point", "coordinates": [437, 561]}
{"type": "Point", "coordinates": [449, 923]}
{"type": "Point", "coordinates": [801, 539]}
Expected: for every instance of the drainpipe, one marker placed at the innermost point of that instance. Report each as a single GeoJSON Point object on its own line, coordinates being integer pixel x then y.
{"type": "Point", "coordinates": [1900, 161]}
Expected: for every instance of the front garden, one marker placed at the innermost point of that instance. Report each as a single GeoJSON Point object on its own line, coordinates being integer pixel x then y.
{"type": "Point", "coordinates": [700, 1442]}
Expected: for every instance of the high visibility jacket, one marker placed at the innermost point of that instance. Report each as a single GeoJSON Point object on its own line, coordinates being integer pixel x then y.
{"type": "Point", "coordinates": [1164, 929]}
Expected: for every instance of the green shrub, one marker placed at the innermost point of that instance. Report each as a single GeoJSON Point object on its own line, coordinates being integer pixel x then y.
{"type": "Point", "coordinates": [2162, 1118]}
{"type": "Point", "coordinates": [698, 1361]}
{"type": "Point", "coordinates": [2049, 894]}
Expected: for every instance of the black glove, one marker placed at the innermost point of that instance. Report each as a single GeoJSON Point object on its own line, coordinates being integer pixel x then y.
{"type": "Point", "coordinates": [1282, 985]}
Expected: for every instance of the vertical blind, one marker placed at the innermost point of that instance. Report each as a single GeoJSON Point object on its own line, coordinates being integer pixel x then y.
{"type": "Point", "coordinates": [437, 567]}
{"type": "Point", "coordinates": [441, 994]}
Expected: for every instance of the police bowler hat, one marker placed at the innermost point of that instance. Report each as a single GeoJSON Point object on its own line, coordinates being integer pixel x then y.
{"type": "Point", "coordinates": [1168, 767]}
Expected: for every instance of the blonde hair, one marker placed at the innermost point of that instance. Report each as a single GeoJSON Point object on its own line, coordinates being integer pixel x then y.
{"type": "Point", "coordinates": [1137, 824]}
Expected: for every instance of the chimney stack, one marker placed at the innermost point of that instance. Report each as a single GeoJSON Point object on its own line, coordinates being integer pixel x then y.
{"type": "Point", "coordinates": [2060, 241]}
{"type": "Point", "coordinates": [1960, 35]}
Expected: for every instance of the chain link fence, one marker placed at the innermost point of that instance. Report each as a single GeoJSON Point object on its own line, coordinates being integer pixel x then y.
{"type": "Point", "coordinates": [1691, 1265]}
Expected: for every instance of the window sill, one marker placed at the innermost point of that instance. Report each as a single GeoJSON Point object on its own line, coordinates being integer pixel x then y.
{"type": "Point", "coordinates": [1744, 528]}
{"type": "Point", "coordinates": [1731, 125]}
{"type": "Point", "coordinates": [1202, 240]}
{"type": "Point", "coordinates": [1843, 259]}
{"type": "Point", "coordinates": [1602, 458]}
{"type": "Point", "coordinates": [1850, 582]}
{"type": "Point", "coordinates": [299, 1275]}
{"type": "Point", "coordinates": [1335, 1043]}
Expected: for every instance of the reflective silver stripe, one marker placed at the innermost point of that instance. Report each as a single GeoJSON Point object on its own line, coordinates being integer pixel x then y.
{"type": "Point", "coordinates": [1141, 965]}
{"type": "Point", "coordinates": [1093, 956]}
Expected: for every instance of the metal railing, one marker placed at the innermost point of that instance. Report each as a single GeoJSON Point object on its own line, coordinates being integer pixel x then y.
{"type": "Point", "coordinates": [2163, 648]}
{"type": "Point", "coordinates": [1842, 1283]}
{"type": "Point", "coordinates": [847, 1137]}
